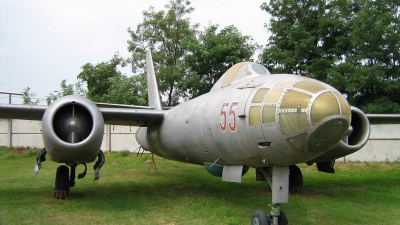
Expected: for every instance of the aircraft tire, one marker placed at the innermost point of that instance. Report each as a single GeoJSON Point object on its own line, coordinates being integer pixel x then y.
{"type": "Point", "coordinates": [61, 189]}
{"type": "Point", "coordinates": [295, 177]}
{"type": "Point", "coordinates": [259, 218]}
{"type": "Point", "coordinates": [282, 220]}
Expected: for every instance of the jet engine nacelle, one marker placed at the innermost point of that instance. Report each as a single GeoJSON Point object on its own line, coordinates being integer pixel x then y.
{"type": "Point", "coordinates": [72, 129]}
{"type": "Point", "coordinates": [357, 136]}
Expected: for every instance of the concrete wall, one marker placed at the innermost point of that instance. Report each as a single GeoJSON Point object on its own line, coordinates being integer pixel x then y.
{"type": "Point", "coordinates": [118, 138]}
{"type": "Point", "coordinates": [383, 144]}
{"type": "Point", "coordinates": [26, 133]}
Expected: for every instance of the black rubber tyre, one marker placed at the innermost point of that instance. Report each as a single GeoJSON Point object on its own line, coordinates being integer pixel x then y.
{"type": "Point", "coordinates": [282, 220]}
{"type": "Point", "coordinates": [259, 218]}
{"type": "Point", "coordinates": [295, 177]}
{"type": "Point", "coordinates": [62, 179]}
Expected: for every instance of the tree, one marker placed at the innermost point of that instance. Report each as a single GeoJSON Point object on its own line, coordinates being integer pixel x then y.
{"type": "Point", "coordinates": [212, 54]}
{"type": "Point", "coordinates": [127, 90]}
{"type": "Point", "coordinates": [28, 96]}
{"type": "Point", "coordinates": [295, 42]}
{"type": "Point", "coordinates": [375, 52]}
{"type": "Point", "coordinates": [167, 34]}
{"type": "Point", "coordinates": [105, 83]}
{"type": "Point", "coordinates": [66, 89]}
{"type": "Point", "coordinates": [98, 77]}
{"type": "Point", "coordinates": [353, 45]}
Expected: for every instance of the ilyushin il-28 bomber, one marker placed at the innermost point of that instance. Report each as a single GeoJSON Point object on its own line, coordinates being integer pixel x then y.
{"type": "Point", "coordinates": [250, 118]}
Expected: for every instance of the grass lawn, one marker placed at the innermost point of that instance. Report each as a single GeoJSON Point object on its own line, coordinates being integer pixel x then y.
{"type": "Point", "coordinates": [358, 193]}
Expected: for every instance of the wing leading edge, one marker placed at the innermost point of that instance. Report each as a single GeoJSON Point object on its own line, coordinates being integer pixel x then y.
{"type": "Point", "coordinates": [132, 117]}
{"type": "Point", "coordinates": [116, 115]}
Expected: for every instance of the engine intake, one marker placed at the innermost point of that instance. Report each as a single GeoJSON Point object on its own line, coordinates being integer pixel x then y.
{"type": "Point", "coordinates": [72, 123]}
{"type": "Point", "coordinates": [356, 138]}
{"type": "Point", "coordinates": [72, 129]}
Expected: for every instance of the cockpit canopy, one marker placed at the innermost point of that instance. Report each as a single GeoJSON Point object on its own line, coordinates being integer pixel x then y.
{"type": "Point", "coordinates": [239, 71]}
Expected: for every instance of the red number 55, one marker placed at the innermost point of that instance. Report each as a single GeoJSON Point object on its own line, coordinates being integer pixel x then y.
{"type": "Point", "coordinates": [230, 118]}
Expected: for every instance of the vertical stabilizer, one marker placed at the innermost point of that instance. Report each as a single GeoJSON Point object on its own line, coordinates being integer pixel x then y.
{"type": "Point", "coordinates": [152, 87]}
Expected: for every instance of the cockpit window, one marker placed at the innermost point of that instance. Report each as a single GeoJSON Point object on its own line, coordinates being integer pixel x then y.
{"type": "Point", "coordinates": [239, 71]}
{"type": "Point", "coordinates": [244, 72]}
{"type": "Point", "coordinates": [259, 69]}
{"type": "Point", "coordinates": [251, 69]}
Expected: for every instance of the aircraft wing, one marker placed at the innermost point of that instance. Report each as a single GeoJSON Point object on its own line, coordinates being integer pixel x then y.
{"type": "Point", "coordinates": [112, 113]}
{"type": "Point", "coordinates": [109, 105]}
{"type": "Point", "coordinates": [132, 117]}
{"type": "Point", "coordinates": [23, 112]}
{"type": "Point", "coordinates": [384, 118]}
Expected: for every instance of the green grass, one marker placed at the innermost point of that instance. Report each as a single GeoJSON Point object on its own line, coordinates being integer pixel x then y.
{"type": "Point", "coordinates": [358, 193]}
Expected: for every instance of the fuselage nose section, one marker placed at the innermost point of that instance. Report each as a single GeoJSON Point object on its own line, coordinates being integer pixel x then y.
{"type": "Point", "coordinates": [306, 115]}
{"type": "Point", "coordinates": [330, 118]}
{"type": "Point", "coordinates": [313, 116]}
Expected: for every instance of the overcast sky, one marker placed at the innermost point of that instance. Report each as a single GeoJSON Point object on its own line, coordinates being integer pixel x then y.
{"type": "Point", "coordinates": [43, 42]}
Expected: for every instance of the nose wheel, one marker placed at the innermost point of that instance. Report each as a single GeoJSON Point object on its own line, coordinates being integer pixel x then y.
{"type": "Point", "coordinates": [280, 194]}
{"type": "Point", "coordinates": [261, 218]}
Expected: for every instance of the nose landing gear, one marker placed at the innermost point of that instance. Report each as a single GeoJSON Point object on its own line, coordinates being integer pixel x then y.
{"type": "Point", "coordinates": [280, 194]}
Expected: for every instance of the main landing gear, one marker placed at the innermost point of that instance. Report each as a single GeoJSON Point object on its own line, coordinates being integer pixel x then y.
{"type": "Point", "coordinates": [281, 180]}
{"type": "Point", "coordinates": [64, 179]}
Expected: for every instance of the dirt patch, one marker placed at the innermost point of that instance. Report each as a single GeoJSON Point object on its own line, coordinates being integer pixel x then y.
{"type": "Point", "coordinates": [21, 150]}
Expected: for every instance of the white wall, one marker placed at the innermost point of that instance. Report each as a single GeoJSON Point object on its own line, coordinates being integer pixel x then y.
{"type": "Point", "coordinates": [27, 133]}
{"type": "Point", "coordinates": [120, 137]}
{"type": "Point", "coordinates": [384, 143]}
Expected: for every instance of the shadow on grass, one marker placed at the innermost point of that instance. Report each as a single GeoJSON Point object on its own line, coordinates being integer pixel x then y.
{"type": "Point", "coordinates": [186, 194]}
{"type": "Point", "coordinates": [170, 186]}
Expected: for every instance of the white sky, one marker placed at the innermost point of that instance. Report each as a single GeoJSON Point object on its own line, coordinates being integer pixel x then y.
{"type": "Point", "coordinates": [44, 42]}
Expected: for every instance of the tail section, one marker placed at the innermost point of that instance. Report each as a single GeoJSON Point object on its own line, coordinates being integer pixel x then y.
{"type": "Point", "coordinates": [154, 95]}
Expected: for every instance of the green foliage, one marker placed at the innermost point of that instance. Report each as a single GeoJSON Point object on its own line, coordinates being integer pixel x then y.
{"type": "Point", "coordinates": [28, 96]}
{"type": "Point", "coordinates": [126, 90]}
{"type": "Point", "coordinates": [353, 45]}
{"type": "Point", "coordinates": [10, 157]}
{"type": "Point", "coordinates": [31, 153]}
{"type": "Point", "coordinates": [187, 62]}
{"type": "Point", "coordinates": [382, 105]}
{"type": "Point", "coordinates": [212, 54]}
{"type": "Point", "coordinates": [105, 83]}
{"type": "Point", "coordinates": [97, 77]}
{"type": "Point", "coordinates": [167, 34]}
{"type": "Point", "coordinates": [124, 153]}
{"type": "Point", "coordinates": [13, 153]}
{"type": "Point", "coordinates": [66, 89]}
{"type": "Point", "coordinates": [4, 150]}
{"type": "Point", "coordinates": [294, 42]}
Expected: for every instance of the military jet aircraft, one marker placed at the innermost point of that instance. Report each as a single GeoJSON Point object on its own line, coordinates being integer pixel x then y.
{"type": "Point", "coordinates": [250, 118]}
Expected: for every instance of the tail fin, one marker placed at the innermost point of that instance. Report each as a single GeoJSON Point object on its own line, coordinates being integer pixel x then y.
{"type": "Point", "coordinates": [154, 95]}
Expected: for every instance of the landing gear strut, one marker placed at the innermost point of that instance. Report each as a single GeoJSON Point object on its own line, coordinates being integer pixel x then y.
{"type": "Point", "coordinates": [65, 179]}
{"type": "Point", "coordinates": [280, 194]}
{"type": "Point", "coordinates": [61, 189]}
